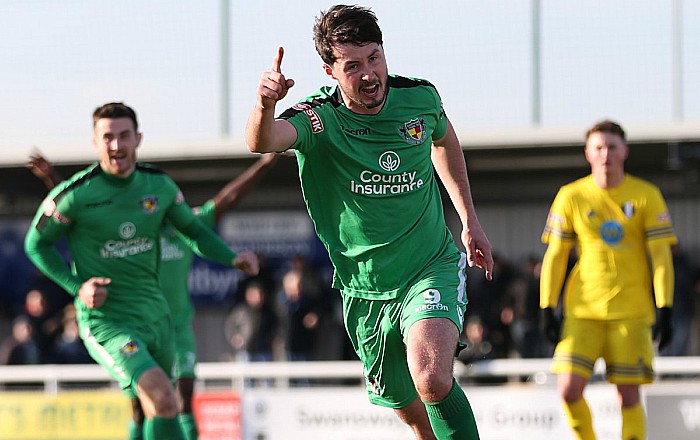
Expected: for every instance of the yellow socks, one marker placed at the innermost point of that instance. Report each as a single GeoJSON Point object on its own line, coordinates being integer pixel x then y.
{"type": "Point", "coordinates": [633, 423]}
{"type": "Point", "coordinates": [580, 419]}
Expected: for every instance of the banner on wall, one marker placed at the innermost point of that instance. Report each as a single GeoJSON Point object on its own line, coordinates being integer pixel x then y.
{"type": "Point", "coordinates": [70, 415]}
{"type": "Point", "coordinates": [218, 415]}
{"type": "Point", "coordinates": [673, 411]}
{"type": "Point", "coordinates": [527, 413]}
{"type": "Point", "coordinates": [276, 235]}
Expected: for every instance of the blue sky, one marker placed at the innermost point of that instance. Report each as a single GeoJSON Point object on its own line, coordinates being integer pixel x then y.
{"type": "Point", "coordinates": [599, 59]}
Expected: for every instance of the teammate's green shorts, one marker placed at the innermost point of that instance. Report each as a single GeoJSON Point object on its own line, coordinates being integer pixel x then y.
{"type": "Point", "coordinates": [378, 328]}
{"type": "Point", "coordinates": [185, 348]}
{"type": "Point", "coordinates": [625, 345]}
{"type": "Point", "coordinates": [126, 351]}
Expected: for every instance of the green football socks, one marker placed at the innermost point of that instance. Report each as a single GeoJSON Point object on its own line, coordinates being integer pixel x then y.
{"type": "Point", "coordinates": [135, 431]}
{"type": "Point", "coordinates": [161, 428]}
{"type": "Point", "coordinates": [452, 418]}
{"type": "Point", "coordinates": [188, 426]}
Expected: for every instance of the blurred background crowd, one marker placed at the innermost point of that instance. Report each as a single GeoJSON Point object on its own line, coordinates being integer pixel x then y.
{"type": "Point", "coordinates": [291, 313]}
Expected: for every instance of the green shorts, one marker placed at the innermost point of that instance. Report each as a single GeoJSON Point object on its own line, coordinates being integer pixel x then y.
{"type": "Point", "coordinates": [126, 350]}
{"type": "Point", "coordinates": [185, 349]}
{"type": "Point", "coordinates": [378, 328]}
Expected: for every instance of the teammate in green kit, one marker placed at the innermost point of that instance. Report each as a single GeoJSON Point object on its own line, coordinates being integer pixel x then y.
{"type": "Point", "coordinates": [367, 149]}
{"type": "Point", "coordinates": [176, 261]}
{"type": "Point", "coordinates": [112, 213]}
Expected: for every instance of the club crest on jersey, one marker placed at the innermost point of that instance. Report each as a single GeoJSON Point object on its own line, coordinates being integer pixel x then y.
{"type": "Point", "coordinates": [414, 131]}
{"type": "Point", "coordinates": [149, 204]}
{"type": "Point", "coordinates": [130, 348]}
{"type": "Point", "coordinates": [628, 209]}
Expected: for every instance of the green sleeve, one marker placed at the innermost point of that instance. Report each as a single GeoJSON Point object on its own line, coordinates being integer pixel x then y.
{"type": "Point", "coordinates": [40, 249]}
{"type": "Point", "coordinates": [207, 213]}
{"type": "Point", "coordinates": [199, 237]}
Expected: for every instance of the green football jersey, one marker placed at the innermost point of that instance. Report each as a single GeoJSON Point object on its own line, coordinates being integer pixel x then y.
{"type": "Point", "coordinates": [113, 228]}
{"type": "Point", "coordinates": [175, 264]}
{"type": "Point", "coordinates": [370, 187]}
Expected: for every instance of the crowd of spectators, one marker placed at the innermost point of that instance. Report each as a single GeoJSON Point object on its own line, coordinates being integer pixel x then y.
{"type": "Point", "coordinates": [297, 316]}
{"type": "Point", "coordinates": [503, 315]}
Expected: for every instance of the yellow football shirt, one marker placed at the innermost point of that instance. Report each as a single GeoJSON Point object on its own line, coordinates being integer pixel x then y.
{"type": "Point", "coordinates": [610, 229]}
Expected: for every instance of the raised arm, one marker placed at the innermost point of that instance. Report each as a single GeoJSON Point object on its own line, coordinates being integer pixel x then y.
{"type": "Point", "coordinates": [448, 159]}
{"type": "Point", "coordinates": [265, 134]}
{"type": "Point", "coordinates": [236, 189]}
{"type": "Point", "coordinates": [43, 169]}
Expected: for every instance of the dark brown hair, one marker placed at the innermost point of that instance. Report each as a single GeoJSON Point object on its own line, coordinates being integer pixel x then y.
{"type": "Point", "coordinates": [607, 126]}
{"type": "Point", "coordinates": [115, 110]}
{"type": "Point", "coordinates": [342, 24]}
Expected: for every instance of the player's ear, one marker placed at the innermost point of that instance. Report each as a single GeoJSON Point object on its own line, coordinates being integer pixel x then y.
{"type": "Point", "coordinates": [329, 70]}
{"type": "Point", "coordinates": [139, 135]}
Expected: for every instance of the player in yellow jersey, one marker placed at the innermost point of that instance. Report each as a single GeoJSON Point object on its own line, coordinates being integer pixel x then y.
{"type": "Point", "coordinates": [621, 229]}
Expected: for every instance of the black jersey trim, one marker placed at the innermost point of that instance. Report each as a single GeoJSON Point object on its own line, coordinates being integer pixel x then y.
{"type": "Point", "coordinates": [94, 172]}
{"type": "Point", "coordinates": [336, 100]}
{"type": "Point", "coordinates": [148, 168]}
{"type": "Point", "coordinates": [402, 82]}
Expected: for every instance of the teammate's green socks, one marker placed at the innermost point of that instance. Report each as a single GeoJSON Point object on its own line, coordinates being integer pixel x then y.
{"type": "Point", "coordinates": [452, 418]}
{"type": "Point", "coordinates": [189, 428]}
{"type": "Point", "coordinates": [633, 423]}
{"type": "Point", "coordinates": [161, 428]}
{"type": "Point", "coordinates": [135, 431]}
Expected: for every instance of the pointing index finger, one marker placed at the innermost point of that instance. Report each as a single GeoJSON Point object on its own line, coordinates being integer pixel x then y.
{"type": "Point", "coordinates": [277, 62]}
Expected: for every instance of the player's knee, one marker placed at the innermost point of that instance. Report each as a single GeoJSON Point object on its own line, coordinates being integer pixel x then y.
{"type": "Point", "coordinates": [432, 386]}
{"type": "Point", "coordinates": [167, 408]}
{"type": "Point", "coordinates": [165, 402]}
{"type": "Point", "coordinates": [570, 394]}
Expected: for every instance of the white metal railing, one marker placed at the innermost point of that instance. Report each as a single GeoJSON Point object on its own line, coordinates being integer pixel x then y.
{"type": "Point", "coordinates": [53, 376]}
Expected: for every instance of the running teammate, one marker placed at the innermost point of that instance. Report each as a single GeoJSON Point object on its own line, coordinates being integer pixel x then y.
{"type": "Point", "coordinates": [176, 261]}
{"type": "Point", "coordinates": [618, 223]}
{"type": "Point", "coordinates": [112, 213]}
{"type": "Point", "coordinates": [366, 149]}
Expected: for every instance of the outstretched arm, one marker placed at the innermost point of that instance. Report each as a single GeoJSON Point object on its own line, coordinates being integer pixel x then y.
{"type": "Point", "coordinates": [448, 159]}
{"type": "Point", "coordinates": [232, 193]}
{"type": "Point", "coordinates": [263, 133]}
{"type": "Point", "coordinates": [206, 243]}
